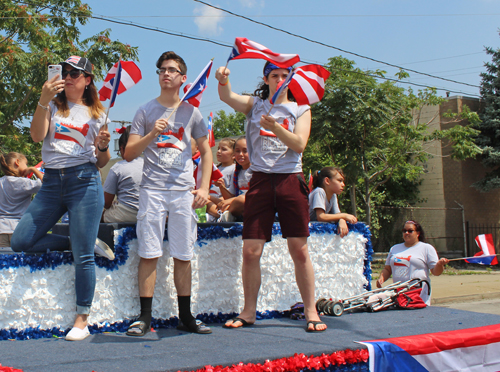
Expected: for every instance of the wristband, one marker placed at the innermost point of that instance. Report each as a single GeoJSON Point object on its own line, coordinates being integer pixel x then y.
{"type": "Point", "coordinates": [227, 81]}
{"type": "Point", "coordinates": [104, 149]}
{"type": "Point", "coordinates": [46, 108]}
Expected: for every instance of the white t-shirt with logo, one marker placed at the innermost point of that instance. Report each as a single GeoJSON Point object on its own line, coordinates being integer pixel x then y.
{"type": "Point", "coordinates": [70, 141]}
{"type": "Point", "coordinates": [267, 152]}
{"type": "Point", "coordinates": [168, 160]}
{"type": "Point", "coordinates": [411, 263]}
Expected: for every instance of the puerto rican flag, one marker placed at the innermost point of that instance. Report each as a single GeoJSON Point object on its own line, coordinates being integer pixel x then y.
{"type": "Point", "coordinates": [193, 92]}
{"type": "Point", "coordinates": [68, 132]}
{"type": "Point", "coordinates": [216, 174]}
{"type": "Point", "coordinates": [308, 84]}
{"type": "Point", "coordinates": [472, 349]}
{"type": "Point", "coordinates": [402, 261]}
{"type": "Point", "coordinates": [122, 76]}
{"type": "Point", "coordinates": [487, 255]}
{"type": "Point", "coordinates": [281, 88]}
{"type": "Point", "coordinates": [244, 48]}
{"type": "Point", "coordinates": [171, 139]}
{"type": "Point", "coordinates": [211, 138]}
{"type": "Point", "coordinates": [268, 133]}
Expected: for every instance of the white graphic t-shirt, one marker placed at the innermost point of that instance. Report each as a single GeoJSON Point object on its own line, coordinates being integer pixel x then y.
{"type": "Point", "coordinates": [414, 262]}
{"type": "Point", "coordinates": [267, 152]}
{"type": "Point", "coordinates": [70, 141]}
{"type": "Point", "coordinates": [167, 159]}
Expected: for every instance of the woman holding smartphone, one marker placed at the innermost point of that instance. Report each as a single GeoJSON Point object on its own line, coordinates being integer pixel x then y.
{"type": "Point", "coordinates": [70, 120]}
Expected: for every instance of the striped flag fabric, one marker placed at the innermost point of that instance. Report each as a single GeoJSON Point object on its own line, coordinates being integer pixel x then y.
{"type": "Point", "coordinates": [122, 76]}
{"type": "Point", "coordinates": [471, 349]}
{"type": "Point", "coordinates": [211, 139]}
{"type": "Point", "coordinates": [308, 84]}
{"type": "Point", "coordinates": [487, 255]}
{"type": "Point", "coordinates": [194, 91]}
{"type": "Point", "coordinates": [72, 133]}
{"type": "Point", "coordinates": [244, 48]}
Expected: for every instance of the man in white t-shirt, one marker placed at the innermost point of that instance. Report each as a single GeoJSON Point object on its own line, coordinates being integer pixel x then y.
{"type": "Point", "coordinates": [162, 129]}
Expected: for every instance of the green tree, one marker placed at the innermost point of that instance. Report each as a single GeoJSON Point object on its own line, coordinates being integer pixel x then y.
{"type": "Point", "coordinates": [33, 35]}
{"type": "Point", "coordinates": [488, 139]}
{"type": "Point", "coordinates": [373, 131]}
{"type": "Point", "coordinates": [228, 125]}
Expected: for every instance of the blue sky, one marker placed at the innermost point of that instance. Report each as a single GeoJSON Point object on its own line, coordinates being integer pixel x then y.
{"type": "Point", "coordinates": [442, 38]}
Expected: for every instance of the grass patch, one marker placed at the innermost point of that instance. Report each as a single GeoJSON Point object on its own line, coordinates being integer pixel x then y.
{"type": "Point", "coordinates": [453, 268]}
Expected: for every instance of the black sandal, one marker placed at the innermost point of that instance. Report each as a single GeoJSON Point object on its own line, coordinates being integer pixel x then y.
{"type": "Point", "coordinates": [314, 323]}
{"type": "Point", "coordinates": [141, 326]}
{"type": "Point", "coordinates": [243, 322]}
{"type": "Point", "coordinates": [195, 326]}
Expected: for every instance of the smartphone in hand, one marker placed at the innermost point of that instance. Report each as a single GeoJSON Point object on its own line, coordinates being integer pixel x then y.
{"type": "Point", "coordinates": [55, 70]}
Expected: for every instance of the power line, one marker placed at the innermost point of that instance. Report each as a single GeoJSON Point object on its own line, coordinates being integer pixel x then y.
{"type": "Point", "coordinates": [331, 46]}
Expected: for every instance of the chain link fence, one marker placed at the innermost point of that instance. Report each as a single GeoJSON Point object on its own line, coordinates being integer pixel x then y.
{"type": "Point", "coordinates": [444, 228]}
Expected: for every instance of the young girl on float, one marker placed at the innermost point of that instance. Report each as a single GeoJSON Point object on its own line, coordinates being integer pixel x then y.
{"type": "Point", "coordinates": [225, 157]}
{"type": "Point", "coordinates": [15, 192]}
{"type": "Point", "coordinates": [323, 204]}
{"type": "Point", "coordinates": [276, 138]}
{"type": "Point", "coordinates": [233, 205]}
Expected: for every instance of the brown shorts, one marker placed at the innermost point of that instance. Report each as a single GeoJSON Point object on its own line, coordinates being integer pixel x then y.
{"type": "Point", "coordinates": [286, 194]}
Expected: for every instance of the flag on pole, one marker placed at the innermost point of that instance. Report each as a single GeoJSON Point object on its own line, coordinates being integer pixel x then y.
{"type": "Point", "coordinates": [216, 173]}
{"type": "Point", "coordinates": [211, 139]}
{"type": "Point", "coordinates": [487, 255]}
{"type": "Point", "coordinates": [472, 349]}
{"type": "Point", "coordinates": [308, 84]}
{"type": "Point", "coordinates": [244, 48]}
{"type": "Point", "coordinates": [310, 181]}
{"type": "Point", "coordinates": [194, 91]}
{"type": "Point", "coordinates": [122, 76]}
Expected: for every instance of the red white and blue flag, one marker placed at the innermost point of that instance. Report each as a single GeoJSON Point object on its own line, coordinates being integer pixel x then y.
{"type": "Point", "coordinates": [308, 84]}
{"type": "Point", "coordinates": [472, 349]}
{"type": "Point", "coordinates": [68, 132]}
{"type": "Point", "coordinates": [211, 138]}
{"type": "Point", "coordinates": [216, 174]}
{"type": "Point", "coordinates": [244, 48]}
{"type": "Point", "coordinates": [281, 88]}
{"type": "Point", "coordinates": [193, 92]}
{"type": "Point", "coordinates": [268, 133]}
{"type": "Point", "coordinates": [402, 261]}
{"type": "Point", "coordinates": [122, 76]}
{"type": "Point", "coordinates": [171, 139]}
{"type": "Point", "coordinates": [487, 255]}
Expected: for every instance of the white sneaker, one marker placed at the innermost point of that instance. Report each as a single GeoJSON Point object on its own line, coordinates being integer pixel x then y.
{"type": "Point", "coordinates": [103, 250]}
{"type": "Point", "coordinates": [227, 217]}
{"type": "Point", "coordinates": [77, 334]}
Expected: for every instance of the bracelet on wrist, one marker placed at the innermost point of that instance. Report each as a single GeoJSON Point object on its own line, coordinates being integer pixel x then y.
{"type": "Point", "coordinates": [46, 108]}
{"type": "Point", "coordinates": [104, 149]}
{"type": "Point", "coordinates": [227, 82]}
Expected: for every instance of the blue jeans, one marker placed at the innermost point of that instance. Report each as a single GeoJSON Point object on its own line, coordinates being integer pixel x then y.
{"type": "Point", "coordinates": [78, 191]}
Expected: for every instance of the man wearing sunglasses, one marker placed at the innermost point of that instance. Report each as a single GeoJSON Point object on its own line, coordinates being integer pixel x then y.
{"type": "Point", "coordinates": [162, 129]}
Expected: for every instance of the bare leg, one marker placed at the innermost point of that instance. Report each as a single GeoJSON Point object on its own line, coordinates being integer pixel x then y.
{"type": "Point", "coordinates": [80, 321]}
{"type": "Point", "coordinates": [304, 275]}
{"type": "Point", "coordinates": [252, 251]}
{"type": "Point", "coordinates": [182, 277]}
{"type": "Point", "coordinates": [147, 276]}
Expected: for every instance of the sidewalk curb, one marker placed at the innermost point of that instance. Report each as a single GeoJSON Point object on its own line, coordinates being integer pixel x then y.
{"type": "Point", "coordinates": [467, 298]}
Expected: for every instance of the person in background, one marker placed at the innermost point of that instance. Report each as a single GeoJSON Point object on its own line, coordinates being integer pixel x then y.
{"type": "Point", "coordinates": [276, 134]}
{"type": "Point", "coordinates": [233, 205]}
{"type": "Point", "coordinates": [323, 204]}
{"type": "Point", "coordinates": [123, 181]}
{"type": "Point", "coordinates": [413, 259]}
{"type": "Point", "coordinates": [70, 120]}
{"type": "Point", "coordinates": [15, 192]}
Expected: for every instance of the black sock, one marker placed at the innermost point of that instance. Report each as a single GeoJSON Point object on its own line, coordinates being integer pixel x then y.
{"type": "Point", "coordinates": [185, 309]}
{"type": "Point", "coordinates": [146, 305]}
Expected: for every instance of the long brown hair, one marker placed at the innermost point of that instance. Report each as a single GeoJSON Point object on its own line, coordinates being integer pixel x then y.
{"type": "Point", "coordinates": [90, 99]}
{"type": "Point", "coordinates": [6, 163]}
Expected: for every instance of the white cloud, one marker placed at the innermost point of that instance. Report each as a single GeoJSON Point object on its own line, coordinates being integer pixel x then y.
{"type": "Point", "coordinates": [208, 20]}
{"type": "Point", "coordinates": [252, 3]}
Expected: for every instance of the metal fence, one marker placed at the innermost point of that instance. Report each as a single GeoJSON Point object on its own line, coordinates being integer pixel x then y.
{"type": "Point", "coordinates": [475, 229]}
{"type": "Point", "coordinates": [445, 228]}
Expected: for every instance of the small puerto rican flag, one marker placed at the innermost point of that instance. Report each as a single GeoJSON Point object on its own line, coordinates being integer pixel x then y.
{"type": "Point", "coordinates": [402, 261]}
{"type": "Point", "coordinates": [487, 254]}
{"type": "Point", "coordinates": [268, 133]}
{"type": "Point", "coordinates": [68, 132]}
{"type": "Point", "coordinates": [171, 139]}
